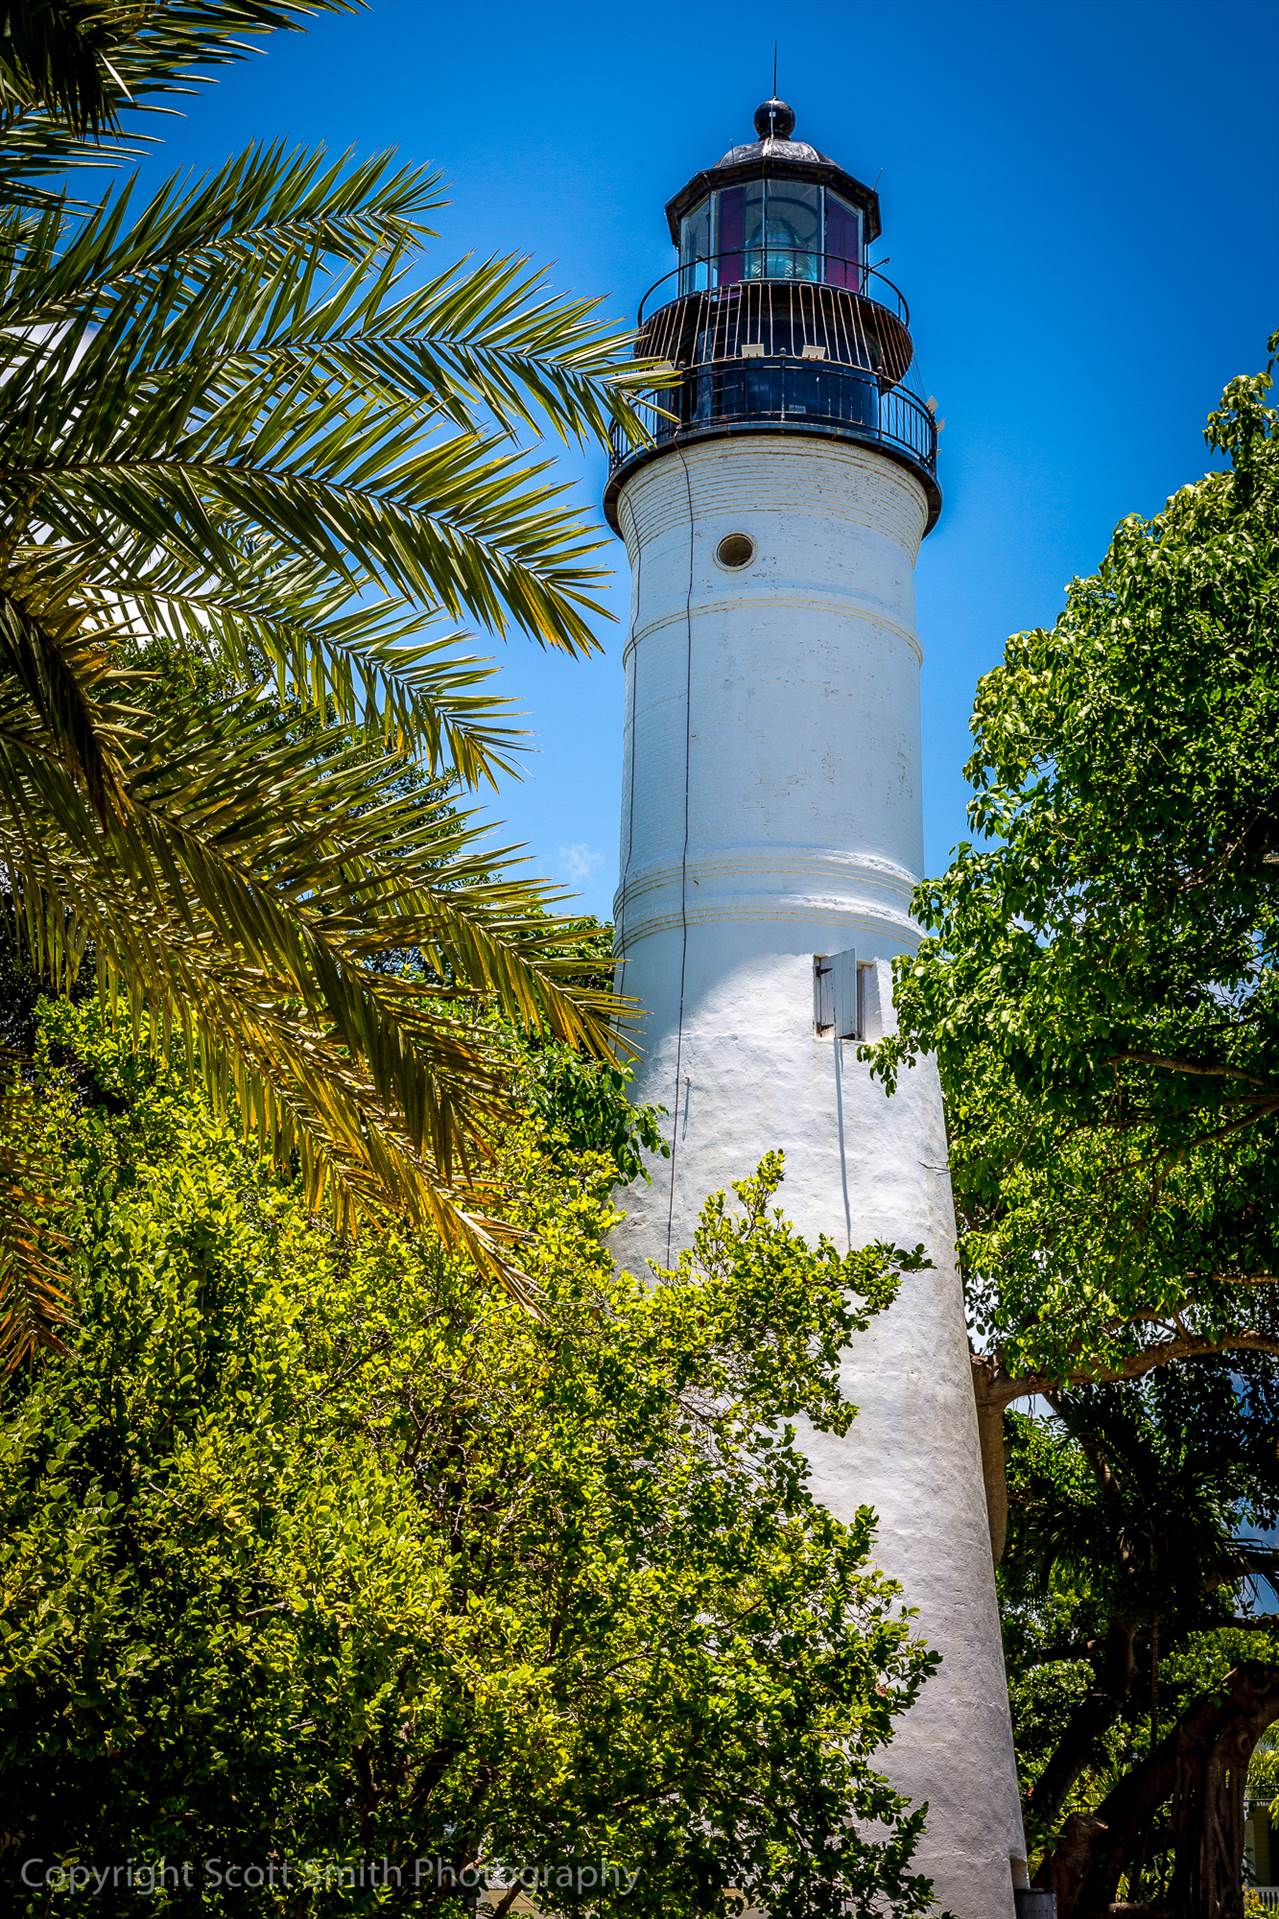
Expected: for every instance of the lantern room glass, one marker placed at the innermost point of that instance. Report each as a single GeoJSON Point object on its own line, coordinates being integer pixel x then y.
{"type": "Point", "coordinates": [695, 249]}
{"type": "Point", "coordinates": [843, 240]}
{"type": "Point", "coordinates": [793, 224]}
{"type": "Point", "coordinates": [771, 229]}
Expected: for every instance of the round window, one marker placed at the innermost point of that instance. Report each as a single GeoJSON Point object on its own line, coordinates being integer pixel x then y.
{"type": "Point", "coordinates": [735, 550]}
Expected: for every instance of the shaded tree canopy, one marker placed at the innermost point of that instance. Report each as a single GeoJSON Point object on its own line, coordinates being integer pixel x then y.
{"type": "Point", "coordinates": [1133, 1593]}
{"type": "Point", "coordinates": [313, 1551]}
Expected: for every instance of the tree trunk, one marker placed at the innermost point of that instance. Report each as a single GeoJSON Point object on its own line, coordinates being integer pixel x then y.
{"type": "Point", "coordinates": [994, 1459]}
{"type": "Point", "coordinates": [1208, 1800]}
{"type": "Point", "coordinates": [1092, 1717]}
{"type": "Point", "coordinates": [1201, 1764]}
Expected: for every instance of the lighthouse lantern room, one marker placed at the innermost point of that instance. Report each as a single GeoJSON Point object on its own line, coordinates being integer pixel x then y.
{"type": "Point", "coordinates": [774, 316]}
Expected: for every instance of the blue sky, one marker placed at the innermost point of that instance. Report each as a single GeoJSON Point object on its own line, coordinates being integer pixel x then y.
{"type": "Point", "coordinates": [1078, 201]}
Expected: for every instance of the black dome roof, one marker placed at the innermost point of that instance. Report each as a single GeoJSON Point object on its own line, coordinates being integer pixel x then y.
{"type": "Point", "coordinates": [774, 153]}
{"type": "Point", "coordinates": [774, 123]}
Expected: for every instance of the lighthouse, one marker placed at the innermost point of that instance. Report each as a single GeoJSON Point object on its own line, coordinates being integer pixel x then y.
{"type": "Point", "coordinates": [771, 837]}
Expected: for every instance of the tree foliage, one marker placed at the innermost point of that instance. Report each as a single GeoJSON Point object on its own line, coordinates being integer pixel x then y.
{"type": "Point", "coordinates": [321, 1552]}
{"type": "Point", "coordinates": [1099, 979]}
{"type": "Point", "coordinates": [77, 75]}
{"type": "Point", "coordinates": [1133, 1590]}
{"type": "Point", "coordinates": [256, 446]}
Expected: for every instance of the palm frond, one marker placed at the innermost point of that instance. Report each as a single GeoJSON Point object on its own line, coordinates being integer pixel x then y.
{"type": "Point", "coordinates": [251, 893]}
{"type": "Point", "coordinates": [235, 379]}
{"type": "Point", "coordinates": [70, 69]}
{"type": "Point", "coordinates": [246, 439]}
{"type": "Point", "coordinates": [35, 1283]}
{"type": "Point", "coordinates": [366, 662]}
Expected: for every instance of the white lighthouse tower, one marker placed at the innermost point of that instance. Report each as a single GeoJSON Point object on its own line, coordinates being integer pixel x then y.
{"type": "Point", "coordinates": [771, 838]}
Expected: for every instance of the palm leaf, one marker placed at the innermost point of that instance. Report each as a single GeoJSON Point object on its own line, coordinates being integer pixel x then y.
{"type": "Point", "coordinates": [35, 1284]}
{"type": "Point", "coordinates": [69, 69]}
{"type": "Point", "coordinates": [199, 397]}
{"type": "Point", "coordinates": [251, 892]}
{"type": "Point", "coordinates": [250, 448]}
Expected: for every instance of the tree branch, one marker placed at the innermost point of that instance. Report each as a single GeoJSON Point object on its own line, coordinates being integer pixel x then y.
{"type": "Point", "coordinates": [1187, 1066]}
{"type": "Point", "coordinates": [993, 1383]}
{"type": "Point", "coordinates": [995, 1389]}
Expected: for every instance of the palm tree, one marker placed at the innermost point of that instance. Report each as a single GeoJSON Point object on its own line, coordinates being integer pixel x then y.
{"type": "Point", "coordinates": [249, 441]}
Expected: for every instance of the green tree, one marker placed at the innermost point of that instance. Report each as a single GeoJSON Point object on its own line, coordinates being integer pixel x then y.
{"type": "Point", "coordinates": [1100, 981]}
{"type": "Point", "coordinates": [257, 451]}
{"type": "Point", "coordinates": [1136, 1558]}
{"type": "Point", "coordinates": [324, 1552]}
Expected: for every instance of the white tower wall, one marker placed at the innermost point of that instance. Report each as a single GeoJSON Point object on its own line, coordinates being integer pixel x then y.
{"type": "Point", "coordinates": [772, 811]}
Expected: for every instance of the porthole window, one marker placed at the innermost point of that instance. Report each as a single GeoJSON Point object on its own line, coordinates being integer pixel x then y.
{"type": "Point", "coordinates": [735, 550]}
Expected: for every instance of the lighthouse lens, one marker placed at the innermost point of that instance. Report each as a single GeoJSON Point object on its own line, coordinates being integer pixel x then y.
{"type": "Point", "coordinates": [794, 231]}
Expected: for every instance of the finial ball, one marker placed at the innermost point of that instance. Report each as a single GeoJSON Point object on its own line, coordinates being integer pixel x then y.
{"type": "Point", "coordinates": [773, 118]}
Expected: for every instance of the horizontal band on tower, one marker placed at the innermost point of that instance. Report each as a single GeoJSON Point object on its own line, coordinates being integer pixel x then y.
{"type": "Point", "coordinates": [849, 915]}
{"type": "Point", "coordinates": [824, 885]}
{"type": "Point", "coordinates": [788, 862]}
{"type": "Point", "coordinates": [843, 604]}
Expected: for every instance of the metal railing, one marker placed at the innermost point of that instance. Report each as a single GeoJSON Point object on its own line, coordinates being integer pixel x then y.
{"type": "Point", "coordinates": [724, 274]}
{"type": "Point", "coordinates": [785, 392]}
{"type": "Point", "coordinates": [788, 351]}
{"type": "Point", "coordinates": [779, 320]}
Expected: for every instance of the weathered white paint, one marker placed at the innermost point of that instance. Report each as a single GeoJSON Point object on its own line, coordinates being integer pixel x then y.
{"type": "Point", "coordinates": [771, 811]}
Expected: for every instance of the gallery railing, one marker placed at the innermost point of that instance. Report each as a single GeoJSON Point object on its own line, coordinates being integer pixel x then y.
{"type": "Point", "coordinates": [785, 392]}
